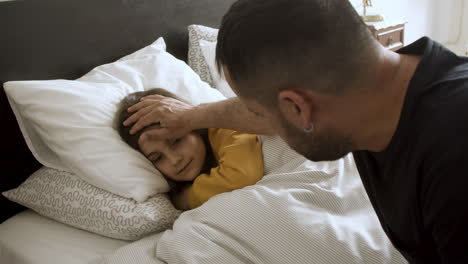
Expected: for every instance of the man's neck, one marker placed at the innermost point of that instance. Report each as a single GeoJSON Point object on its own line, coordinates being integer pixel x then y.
{"type": "Point", "coordinates": [392, 77]}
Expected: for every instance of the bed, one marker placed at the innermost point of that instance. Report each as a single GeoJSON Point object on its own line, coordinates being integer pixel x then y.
{"type": "Point", "coordinates": [53, 39]}
{"type": "Point", "coordinates": [48, 39]}
{"type": "Point", "coordinates": [66, 39]}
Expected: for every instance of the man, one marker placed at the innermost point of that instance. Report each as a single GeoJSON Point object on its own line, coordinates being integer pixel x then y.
{"type": "Point", "coordinates": [311, 72]}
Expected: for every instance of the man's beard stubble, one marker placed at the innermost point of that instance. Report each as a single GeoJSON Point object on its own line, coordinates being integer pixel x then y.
{"type": "Point", "coordinates": [315, 146]}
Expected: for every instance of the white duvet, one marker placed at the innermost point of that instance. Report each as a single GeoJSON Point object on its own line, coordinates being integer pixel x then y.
{"type": "Point", "coordinates": [300, 212]}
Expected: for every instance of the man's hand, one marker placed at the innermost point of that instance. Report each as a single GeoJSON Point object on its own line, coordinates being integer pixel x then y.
{"type": "Point", "coordinates": [177, 119]}
{"type": "Point", "coordinates": [169, 113]}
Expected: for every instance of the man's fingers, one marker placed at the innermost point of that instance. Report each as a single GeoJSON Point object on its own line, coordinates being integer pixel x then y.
{"type": "Point", "coordinates": [140, 105]}
{"type": "Point", "coordinates": [153, 96]}
{"type": "Point", "coordinates": [136, 116]}
{"type": "Point", "coordinates": [143, 122]}
{"type": "Point", "coordinates": [136, 127]}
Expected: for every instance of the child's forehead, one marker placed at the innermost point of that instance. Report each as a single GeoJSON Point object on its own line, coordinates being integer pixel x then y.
{"type": "Point", "coordinates": [146, 138]}
{"type": "Point", "coordinates": [148, 145]}
{"type": "Point", "coordinates": [150, 127]}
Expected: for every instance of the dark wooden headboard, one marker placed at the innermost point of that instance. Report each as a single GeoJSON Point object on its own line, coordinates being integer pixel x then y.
{"type": "Point", "coordinates": [64, 39]}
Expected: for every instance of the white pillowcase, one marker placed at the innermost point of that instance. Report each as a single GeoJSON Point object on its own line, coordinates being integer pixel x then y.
{"type": "Point", "coordinates": [209, 53]}
{"type": "Point", "coordinates": [66, 198]}
{"type": "Point", "coordinates": [69, 124]}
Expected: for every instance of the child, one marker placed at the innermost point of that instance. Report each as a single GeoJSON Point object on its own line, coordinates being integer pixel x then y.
{"type": "Point", "coordinates": [203, 163]}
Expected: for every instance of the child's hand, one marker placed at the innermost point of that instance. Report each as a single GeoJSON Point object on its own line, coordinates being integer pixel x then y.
{"type": "Point", "coordinates": [179, 196]}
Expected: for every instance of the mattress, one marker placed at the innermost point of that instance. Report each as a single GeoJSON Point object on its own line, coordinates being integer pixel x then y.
{"type": "Point", "coordinates": [30, 238]}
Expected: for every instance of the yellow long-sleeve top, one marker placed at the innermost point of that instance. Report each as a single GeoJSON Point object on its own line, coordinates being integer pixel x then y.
{"type": "Point", "coordinates": [240, 163]}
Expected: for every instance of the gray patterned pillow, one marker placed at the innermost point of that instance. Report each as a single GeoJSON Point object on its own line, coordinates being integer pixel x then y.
{"type": "Point", "coordinates": [66, 198]}
{"type": "Point", "coordinates": [195, 56]}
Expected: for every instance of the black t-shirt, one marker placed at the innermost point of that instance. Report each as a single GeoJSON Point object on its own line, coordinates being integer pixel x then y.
{"type": "Point", "coordinates": [418, 186]}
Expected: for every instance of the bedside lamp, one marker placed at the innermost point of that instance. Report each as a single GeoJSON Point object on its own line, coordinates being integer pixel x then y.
{"type": "Point", "coordinates": [369, 18]}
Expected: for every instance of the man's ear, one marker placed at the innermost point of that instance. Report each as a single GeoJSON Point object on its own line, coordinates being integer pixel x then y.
{"type": "Point", "coordinates": [296, 107]}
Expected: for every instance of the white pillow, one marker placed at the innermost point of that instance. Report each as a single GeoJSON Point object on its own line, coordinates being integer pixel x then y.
{"type": "Point", "coordinates": [209, 53]}
{"type": "Point", "coordinates": [68, 124]}
{"type": "Point", "coordinates": [195, 57]}
{"type": "Point", "coordinates": [66, 198]}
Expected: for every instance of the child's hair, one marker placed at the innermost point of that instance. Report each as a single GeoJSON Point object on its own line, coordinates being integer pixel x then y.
{"type": "Point", "coordinates": [123, 114]}
{"type": "Point", "coordinates": [132, 140]}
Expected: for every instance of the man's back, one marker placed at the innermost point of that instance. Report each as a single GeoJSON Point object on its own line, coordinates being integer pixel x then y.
{"type": "Point", "coordinates": [417, 185]}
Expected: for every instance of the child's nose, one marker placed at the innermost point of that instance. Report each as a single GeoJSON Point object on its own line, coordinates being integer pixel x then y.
{"type": "Point", "coordinates": [174, 157]}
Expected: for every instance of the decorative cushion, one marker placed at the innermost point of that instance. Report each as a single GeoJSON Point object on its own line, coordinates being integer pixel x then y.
{"type": "Point", "coordinates": [64, 197]}
{"type": "Point", "coordinates": [209, 54]}
{"type": "Point", "coordinates": [69, 124]}
{"type": "Point", "coordinates": [195, 58]}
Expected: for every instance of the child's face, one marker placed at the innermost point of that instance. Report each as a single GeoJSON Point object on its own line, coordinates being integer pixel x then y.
{"type": "Point", "coordinates": [179, 160]}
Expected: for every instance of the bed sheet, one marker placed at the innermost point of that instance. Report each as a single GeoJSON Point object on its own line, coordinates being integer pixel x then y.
{"type": "Point", "coordinates": [142, 251]}
{"type": "Point", "coordinates": [28, 238]}
{"type": "Point", "coordinates": [300, 212]}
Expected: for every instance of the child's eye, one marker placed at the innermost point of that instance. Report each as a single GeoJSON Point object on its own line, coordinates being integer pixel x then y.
{"type": "Point", "coordinates": [175, 141]}
{"type": "Point", "coordinates": [156, 159]}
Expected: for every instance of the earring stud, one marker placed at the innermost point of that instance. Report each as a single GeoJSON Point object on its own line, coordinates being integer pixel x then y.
{"type": "Point", "coordinates": [309, 129]}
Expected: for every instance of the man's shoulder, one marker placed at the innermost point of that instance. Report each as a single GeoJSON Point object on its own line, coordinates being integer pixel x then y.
{"type": "Point", "coordinates": [443, 108]}
{"type": "Point", "coordinates": [440, 132]}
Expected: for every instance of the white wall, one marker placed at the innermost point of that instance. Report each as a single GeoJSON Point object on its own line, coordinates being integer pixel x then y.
{"type": "Point", "coordinates": [451, 24]}
{"type": "Point", "coordinates": [418, 13]}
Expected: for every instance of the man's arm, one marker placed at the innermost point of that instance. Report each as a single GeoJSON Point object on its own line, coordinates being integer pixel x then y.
{"type": "Point", "coordinates": [177, 119]}
{"type": "Point", "coordinates": [229, 114]}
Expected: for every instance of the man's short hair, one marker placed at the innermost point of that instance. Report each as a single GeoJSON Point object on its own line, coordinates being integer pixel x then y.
{"type": "Point", "coordinates": [268, 45]}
